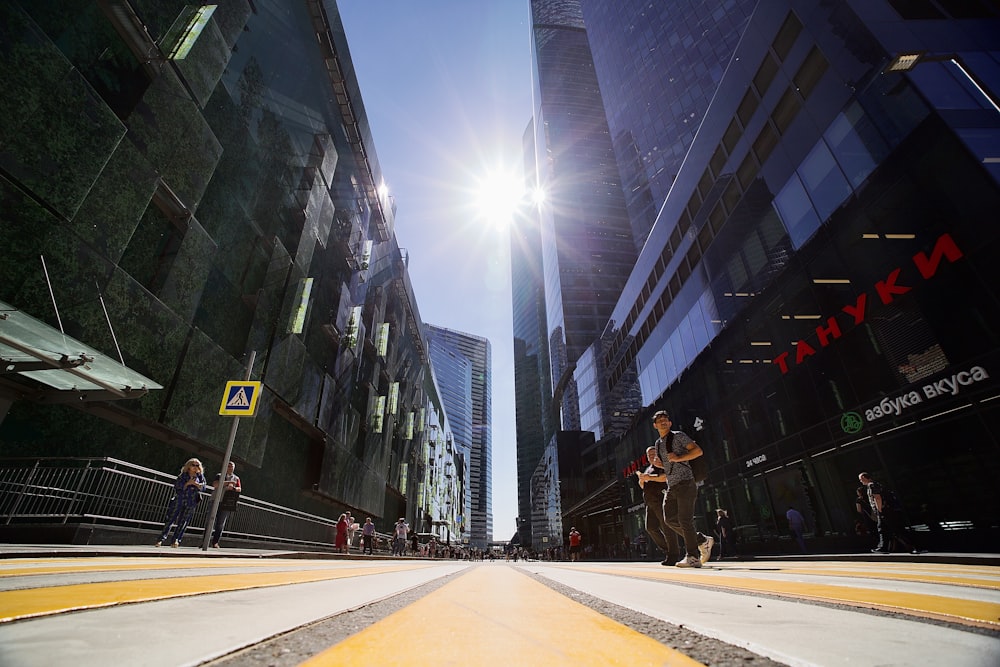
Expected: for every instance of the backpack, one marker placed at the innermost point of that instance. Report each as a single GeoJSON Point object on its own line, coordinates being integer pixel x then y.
{"type": "Point", "coordinates": [890, 501]}
{"type": "Point", "coordinates": [699, 468]}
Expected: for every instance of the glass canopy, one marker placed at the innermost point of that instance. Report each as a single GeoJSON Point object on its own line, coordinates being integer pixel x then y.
{"type": "Point", "coordinates": [34, 350]}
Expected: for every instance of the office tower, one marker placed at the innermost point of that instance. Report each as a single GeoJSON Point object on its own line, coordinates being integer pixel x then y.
{"type": "Point", "coordinates": [586, 238]}
{"type": "Point", "coordinates": [198, 194]}
{"type": "Point", "coordinates": [453, 377]}
{"type": "Point", "coordinates": [534, 423]}
{"type": "Point", "coordinates": [477, 350]}
{"type": "Point", "coordinates": [817, 296]}
{"type": "Point", "coordinates": [659, 64]}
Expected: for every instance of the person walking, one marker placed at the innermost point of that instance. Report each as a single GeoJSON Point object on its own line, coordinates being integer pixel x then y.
{"type": "Point", "coordinates": [724, 529]}
{"type": "Point", "coordinates": [399, 532]}
{"type": "Point", "coordinates": [887, 514]}
{"type": "Point", "coordinates": [653, 482]}
{"type": "Point", "coordinates": [187, 492]}
{"type": "Point", "coordinates": [675, 449]}
{"type": "Point", "coordinates": [367, 537]}
{"type": "Point", "coordinates": [797, 526]}
{"type": "Point", "coordinates": [231, 484]}
{"type": "Point", "coordinates": [575, 538]}
{"type": "Point", "coordinates": [352, 528]}
{"type": "Point", "coordinates": [340, 541]}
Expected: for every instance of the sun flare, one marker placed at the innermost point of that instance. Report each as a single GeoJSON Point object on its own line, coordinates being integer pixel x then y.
{"type": "Point", "coordinates": [498, 195]}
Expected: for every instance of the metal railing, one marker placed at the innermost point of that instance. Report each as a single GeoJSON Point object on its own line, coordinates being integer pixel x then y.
{"type": "Point", "coordinates": [112, 492]}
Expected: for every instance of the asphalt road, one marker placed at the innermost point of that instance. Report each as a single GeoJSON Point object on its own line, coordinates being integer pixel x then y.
{"type": "Point", "coordinates": [184, 607]}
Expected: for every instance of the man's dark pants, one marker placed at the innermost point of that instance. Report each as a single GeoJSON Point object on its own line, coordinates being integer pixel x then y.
{"type": "Point", "coordinates": [678, 513]}
{"type": "Point", "coordinates": [656, 527]}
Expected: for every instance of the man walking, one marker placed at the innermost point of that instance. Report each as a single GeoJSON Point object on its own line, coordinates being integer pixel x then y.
{"type": "Point", "coordinates": [653, 482]}
{"type": "Point", "coordinates": [675, 449]}
{"type": "Point", "coordinates": [231, 485]}
{"type": "Point", "coordinates": [885, 509]}
{"type": "Point", "coordinates": [574, 544]}
{"type": "Point", "coordinates": [367, 537]}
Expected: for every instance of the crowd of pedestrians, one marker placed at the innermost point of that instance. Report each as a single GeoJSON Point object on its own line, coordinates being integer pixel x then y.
{"type": "Point", "coordinates": [669, 491]}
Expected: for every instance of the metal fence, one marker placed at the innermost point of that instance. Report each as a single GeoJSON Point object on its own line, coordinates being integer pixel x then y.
{"type": "Point", "coordinates": [112, 492]}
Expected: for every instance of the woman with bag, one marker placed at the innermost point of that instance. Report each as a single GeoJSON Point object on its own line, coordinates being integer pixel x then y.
{"type": "Point", "coordinates": [187, 492]}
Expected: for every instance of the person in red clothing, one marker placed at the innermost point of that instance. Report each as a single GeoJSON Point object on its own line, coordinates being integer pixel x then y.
{"type": "Point", "coordinates": [574, 544]}
{"type": "Point", "coordinates": [340, 542]}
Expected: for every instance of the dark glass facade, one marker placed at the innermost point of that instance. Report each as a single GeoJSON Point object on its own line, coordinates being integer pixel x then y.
{"type": "Point", "coordinates": [225, 202]}
{"type": "Point", "coordinates": [659, 64]}
{"type": "Point", "coordinates": [817, 297]}
{"type": "Point", "coordinates": [534, 424]}
{"type": "Point", "coordinates": [587, 248]}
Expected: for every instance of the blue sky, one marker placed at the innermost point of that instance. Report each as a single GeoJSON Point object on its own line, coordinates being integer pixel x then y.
{"type": "Point", "coordinates": [446, 86]}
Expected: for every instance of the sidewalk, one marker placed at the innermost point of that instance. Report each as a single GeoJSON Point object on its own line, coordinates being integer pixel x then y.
{"type": "Point", "coordinates": [113, 550]}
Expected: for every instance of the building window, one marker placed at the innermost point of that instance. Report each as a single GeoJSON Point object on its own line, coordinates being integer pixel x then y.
{"type": "Point", "coordinates": [824, 181]}
{"type": "Point", "coordinates": [718, 161]}
{"type": "Point", "coordinates": [731, 136]}
{"type": "Point", "coordinates": [765, 74]}
{"type": "Point", "coordinates": [747, 171]}
{"type": "Point", "coordinates": [786, 110]}
{"type": "Point", "coordinates": [746, 109]}
{"type": "Point", "coordinates": [796, 212]}
{"type": "Point", "coordinates": [787, 35]}
{"type": "Point", "coordinates": [856, 144]}
{"type": "Point", "coordinates": [811, 71]}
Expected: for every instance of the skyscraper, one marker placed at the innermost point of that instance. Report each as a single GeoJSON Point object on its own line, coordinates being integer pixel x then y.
{"type": "Point", "coordinates": [532, 380]}
{"type": "Point", "coordinates": [659, 64]}
{"type": "Point", "coordinates": [586, 238]}
{"type": "Point", "coordinates": [478, 351]}
{"type": "Point", "coordinates": [452, 372]}
{"type": "Point", "coordinates": [794, 306]}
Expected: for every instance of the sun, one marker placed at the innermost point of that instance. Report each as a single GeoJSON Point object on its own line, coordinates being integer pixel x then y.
{"type": "Point", "coordinates": [498, 195]}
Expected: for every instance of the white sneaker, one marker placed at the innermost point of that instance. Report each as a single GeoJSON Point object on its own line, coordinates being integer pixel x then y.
{"type": "Point", "coordinates": [175, 544]}
{"type": "Point", "coordinates": [690, 561]}
{"type": "Point", "coordinates": [705, 549]}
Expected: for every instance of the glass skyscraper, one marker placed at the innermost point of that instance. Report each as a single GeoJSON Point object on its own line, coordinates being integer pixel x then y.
{"type": "Point", "coordinates": [586, 238]}
{"type": "Point", "coordinates": [817, 296]}
{"type": "Point", "coordinates": [453, 376]}
{"type": "Point", "coordinates": [478, 352]}
{"type": "Point", "coordinates": [534, 421]}
{"type": "Point", "coordinates": [659, 64]}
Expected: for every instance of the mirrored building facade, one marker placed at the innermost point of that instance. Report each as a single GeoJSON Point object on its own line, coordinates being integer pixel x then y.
{"type": "Point", "coordinates": [216, 195]}
{"type": "Point", "coordinates": [659, 65]}
{"type": "Point", "coordinates": [586, 238]}
{"type": "Point", "coordinates": [817, 296]}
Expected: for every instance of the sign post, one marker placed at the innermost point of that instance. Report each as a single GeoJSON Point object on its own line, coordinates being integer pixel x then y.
{"type": "Point", "coordinates": [239, 399]}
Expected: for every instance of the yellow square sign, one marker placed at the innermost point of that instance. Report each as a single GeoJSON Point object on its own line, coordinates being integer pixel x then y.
{"type": "Point", "coordinates": [240, 399]}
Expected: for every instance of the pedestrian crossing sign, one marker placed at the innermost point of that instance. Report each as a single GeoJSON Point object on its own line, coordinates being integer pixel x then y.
{"type": "Point", "coordinates": [240, 399]}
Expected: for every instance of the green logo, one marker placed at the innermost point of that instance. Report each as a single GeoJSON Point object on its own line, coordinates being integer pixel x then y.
{"type": "Point", "coordinates": [851, 422]}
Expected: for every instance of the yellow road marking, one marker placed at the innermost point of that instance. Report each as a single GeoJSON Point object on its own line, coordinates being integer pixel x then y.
{"type": "Point", "coordinates": [26, 603]}
{"type": "Point", "coordinates": [491, 611]}
{"type": "Point", "coordinates": [948, 579]}
{"type": "Point", "coordinates": [155, 563]}
{"type": "Point", "coordinates": [956, 610]}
